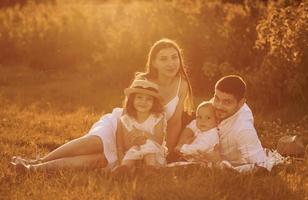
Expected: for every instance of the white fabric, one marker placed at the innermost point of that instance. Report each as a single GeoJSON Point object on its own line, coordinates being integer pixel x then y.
{"type": "Point", "coordinates": [148, 125]}
{"type": "Point", "coordinates": [105, 129]}
{"type": "Point", "coordinates": [150, 146]}
{"type": "Point", "coordinates": [204, 141]}
{"type": "Point", "coordinates": [239, 143]}
{"type": "Point", "coordinates": [172, 104]}
{"type": "Point", "coordinates": [272, 158]}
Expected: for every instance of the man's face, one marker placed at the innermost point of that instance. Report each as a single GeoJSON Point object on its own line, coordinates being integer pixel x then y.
{"type": "Point", "coordinates": [226, 104]}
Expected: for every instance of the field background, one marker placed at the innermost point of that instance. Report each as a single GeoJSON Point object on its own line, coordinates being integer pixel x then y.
{"type": "Point", "coordinates": [64, 64]}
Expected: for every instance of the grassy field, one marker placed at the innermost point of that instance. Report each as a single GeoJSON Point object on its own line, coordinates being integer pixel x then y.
{"type": "Point", "coordinates": [40, 111]}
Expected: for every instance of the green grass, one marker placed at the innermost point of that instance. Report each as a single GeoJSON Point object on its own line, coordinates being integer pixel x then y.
{"type": "Point", "coordinates": [35, 122]}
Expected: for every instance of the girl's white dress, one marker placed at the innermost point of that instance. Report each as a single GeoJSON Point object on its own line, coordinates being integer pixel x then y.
{"type": "Point", "coordinates": [204, 141]}
{"type": "Point", "coordinates": [106, 127]}
{"type": "Point", "coordinates": [150, 146]}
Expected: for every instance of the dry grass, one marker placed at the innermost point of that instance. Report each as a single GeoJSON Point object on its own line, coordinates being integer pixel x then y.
{"type": "Point", "coordinates": [76, 50]}
{"type": "Point", "coordinates": [31, 125]}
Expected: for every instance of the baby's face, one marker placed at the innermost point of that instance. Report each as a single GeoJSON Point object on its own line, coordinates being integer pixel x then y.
{"type": "Point", "coordinates": [205, 118]}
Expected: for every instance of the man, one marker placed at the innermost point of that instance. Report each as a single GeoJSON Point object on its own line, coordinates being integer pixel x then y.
{"type": "Point", "coordinates": [239, 142]}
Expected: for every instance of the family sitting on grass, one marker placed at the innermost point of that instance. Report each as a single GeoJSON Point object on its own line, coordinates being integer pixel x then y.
{"type": "Point", "coordinates": [149, 127]}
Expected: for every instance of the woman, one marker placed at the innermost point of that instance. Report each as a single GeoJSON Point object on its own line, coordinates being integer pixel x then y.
{"type": "Point", "coordinates": [98, 148]}
{"type": "Point", "coordinates": [165, 66]}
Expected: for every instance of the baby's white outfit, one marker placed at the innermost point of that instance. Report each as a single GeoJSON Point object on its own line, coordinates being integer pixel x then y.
{"type": "Point", "coordinates": [204, 141]}
{"type": "Point", "coordinates": [150, 146]}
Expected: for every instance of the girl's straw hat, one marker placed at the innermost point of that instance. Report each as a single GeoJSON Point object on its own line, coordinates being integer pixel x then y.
{"type": "Point", "coordinates": [144, 87]}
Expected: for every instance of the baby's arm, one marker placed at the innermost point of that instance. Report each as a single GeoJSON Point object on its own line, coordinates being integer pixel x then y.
{"type": "Point", "coordinates": [187, 137]}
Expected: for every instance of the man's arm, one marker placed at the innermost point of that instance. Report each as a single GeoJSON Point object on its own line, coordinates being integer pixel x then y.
{"type": "Point", "coordinates": [250, 147]}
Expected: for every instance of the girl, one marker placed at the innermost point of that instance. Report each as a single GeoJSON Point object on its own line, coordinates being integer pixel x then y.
{"type": "Point", "coordinates": [143, 113]}
{"type": "Point", "coordinates": [165, 67]}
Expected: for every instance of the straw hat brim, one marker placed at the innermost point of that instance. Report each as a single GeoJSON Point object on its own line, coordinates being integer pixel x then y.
{"type": "Point", "coordinates": [129, 91]}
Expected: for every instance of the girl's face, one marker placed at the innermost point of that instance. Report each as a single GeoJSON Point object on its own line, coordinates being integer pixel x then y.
{"type": "Point", "coordinates": [205, 119]}
{"type": "Point", "coordinates": [143, 103]}
{"type": "Point", "coordinates": [167, 62]}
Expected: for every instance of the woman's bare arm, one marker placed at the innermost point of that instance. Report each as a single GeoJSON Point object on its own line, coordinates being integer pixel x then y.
{"type": "Point", "coordinates": [158, 135]}
{"type": "Point", "coordinates": [175, 122]}
{"type": "Point", "coordinates": [120, 142]}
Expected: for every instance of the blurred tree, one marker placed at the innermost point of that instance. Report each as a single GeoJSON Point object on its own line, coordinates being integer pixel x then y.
{"type": "Point", "coordinates": [264, 41]}
{"type": "Point", "coordinates": [9, 3]}
{"type": "Point", "coordinates": [283, 36]}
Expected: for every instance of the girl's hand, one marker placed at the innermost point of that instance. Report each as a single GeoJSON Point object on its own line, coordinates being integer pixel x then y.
{"type": "Point", "coordinates": [136, 137]}
{"type": "Point", "coordinates": [139, 140]}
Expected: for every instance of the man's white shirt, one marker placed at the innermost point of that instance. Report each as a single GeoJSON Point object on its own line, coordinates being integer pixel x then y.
{"type": "Point", "coordinates": [239, 142]}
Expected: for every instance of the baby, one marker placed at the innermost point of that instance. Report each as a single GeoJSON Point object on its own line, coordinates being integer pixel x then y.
{"type": "Point", "coordinates": [201, 135]}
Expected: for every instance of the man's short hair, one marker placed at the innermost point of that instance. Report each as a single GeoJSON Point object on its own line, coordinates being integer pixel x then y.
{"type": "Point", "coordinates": [232, 84]}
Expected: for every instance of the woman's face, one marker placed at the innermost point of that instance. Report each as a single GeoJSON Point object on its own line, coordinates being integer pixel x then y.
{"type": "Point", "coordinates": [167, 62]}
{"type": "Point", "coordinates": [143, 103]}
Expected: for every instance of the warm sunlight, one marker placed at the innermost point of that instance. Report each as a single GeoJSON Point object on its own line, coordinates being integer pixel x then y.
{"type": "Point", "coordinates": [153, 99]}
